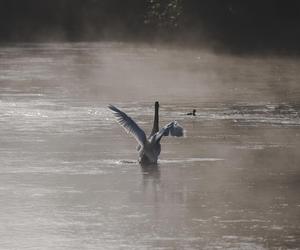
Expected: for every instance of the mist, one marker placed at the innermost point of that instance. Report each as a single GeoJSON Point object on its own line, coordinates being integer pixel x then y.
{"type": "Point", "coordinates": [69, 174]}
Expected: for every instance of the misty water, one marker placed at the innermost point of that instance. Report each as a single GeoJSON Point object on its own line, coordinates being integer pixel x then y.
{"type": "Point", "coordinates": [69, 177]}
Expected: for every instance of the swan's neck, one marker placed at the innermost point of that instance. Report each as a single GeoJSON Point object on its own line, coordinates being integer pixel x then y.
{"type": "Point", "coordinates": [155, 123]}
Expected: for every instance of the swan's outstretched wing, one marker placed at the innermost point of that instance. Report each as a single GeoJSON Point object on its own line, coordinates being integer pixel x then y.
{"type": "Point", "coordinates": [129, 125]}
{"type": "Point", "coordinates": [172, 128]}
{"type": "Point", "coordinates": [176, 130]}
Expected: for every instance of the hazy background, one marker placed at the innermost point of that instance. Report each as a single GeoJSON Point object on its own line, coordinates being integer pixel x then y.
{"type": "Point", "coordinates": [228, 25]}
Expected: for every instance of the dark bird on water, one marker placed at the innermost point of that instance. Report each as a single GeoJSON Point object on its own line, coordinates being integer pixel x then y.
{"type": "Point", "coordinates": [192, 113]}
{"type": "Point", "coordinates": [148, 148]}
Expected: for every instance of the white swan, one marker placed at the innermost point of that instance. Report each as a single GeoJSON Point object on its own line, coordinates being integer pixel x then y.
{"type": "Point", "coordinates": [148, 148]}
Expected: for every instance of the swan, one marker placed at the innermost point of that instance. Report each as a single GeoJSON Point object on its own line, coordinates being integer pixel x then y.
{"type": "Point", "coordinates": [148, 148]}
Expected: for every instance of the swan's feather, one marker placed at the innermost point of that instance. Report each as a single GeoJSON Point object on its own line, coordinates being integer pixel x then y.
{"type": "Point", "coordinates": [129, 125]}
{"type": "Point", "coordinates": [172, 128]}
{"type": "Point", "coordinates": [176, 130]}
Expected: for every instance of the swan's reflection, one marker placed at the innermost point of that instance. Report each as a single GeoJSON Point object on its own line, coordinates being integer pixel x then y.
{"type": "Point", "coordinates": [151, 173]}
{"type": "Point", "coordinates": [151, 180]}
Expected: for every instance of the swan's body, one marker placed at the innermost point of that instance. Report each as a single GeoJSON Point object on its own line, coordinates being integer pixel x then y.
{"type": "Point", "coordinates": [148, 148]}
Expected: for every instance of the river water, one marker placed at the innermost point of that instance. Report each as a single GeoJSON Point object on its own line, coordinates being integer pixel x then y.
{"type": "Point", "coordinates": [69, 177]}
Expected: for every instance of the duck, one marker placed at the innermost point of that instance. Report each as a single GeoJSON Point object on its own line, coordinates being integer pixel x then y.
{"type": "Point", "coordinates": [192, 113]}
{"type": "Point", "coordinates": [149, 148]}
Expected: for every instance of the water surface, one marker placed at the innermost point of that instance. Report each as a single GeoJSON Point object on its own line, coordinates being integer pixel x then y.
{"type": "Point", "coordinates": [69, 178]}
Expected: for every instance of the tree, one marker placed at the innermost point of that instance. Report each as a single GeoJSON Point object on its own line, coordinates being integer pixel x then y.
{"type": "Point", "coordinates": [163, 14]}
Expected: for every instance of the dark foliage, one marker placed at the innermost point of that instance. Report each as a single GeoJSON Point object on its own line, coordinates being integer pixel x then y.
{"type": "Point", "coordinates": [238, 25]}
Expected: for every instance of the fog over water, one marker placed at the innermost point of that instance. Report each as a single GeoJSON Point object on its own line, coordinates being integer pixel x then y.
{"type": "Point", "coordinates": [69, 177]}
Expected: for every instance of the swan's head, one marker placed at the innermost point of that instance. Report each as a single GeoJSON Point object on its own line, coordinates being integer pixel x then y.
{"type": "Point", "coordinates": [156, 104]}
{"type": "Point", "coordinates": [194, 111]}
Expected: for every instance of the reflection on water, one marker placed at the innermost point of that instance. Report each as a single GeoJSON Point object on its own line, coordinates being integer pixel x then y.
{"type": "Point", "coordinates": [69, 177]}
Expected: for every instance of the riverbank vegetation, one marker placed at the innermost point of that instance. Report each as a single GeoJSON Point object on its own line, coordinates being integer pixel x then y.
{"type": "Point", "coordinates": [232, 24]}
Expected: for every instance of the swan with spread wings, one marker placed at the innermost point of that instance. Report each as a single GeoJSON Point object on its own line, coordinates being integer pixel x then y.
{"type": "Point", "coordinates": [148, 148]}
